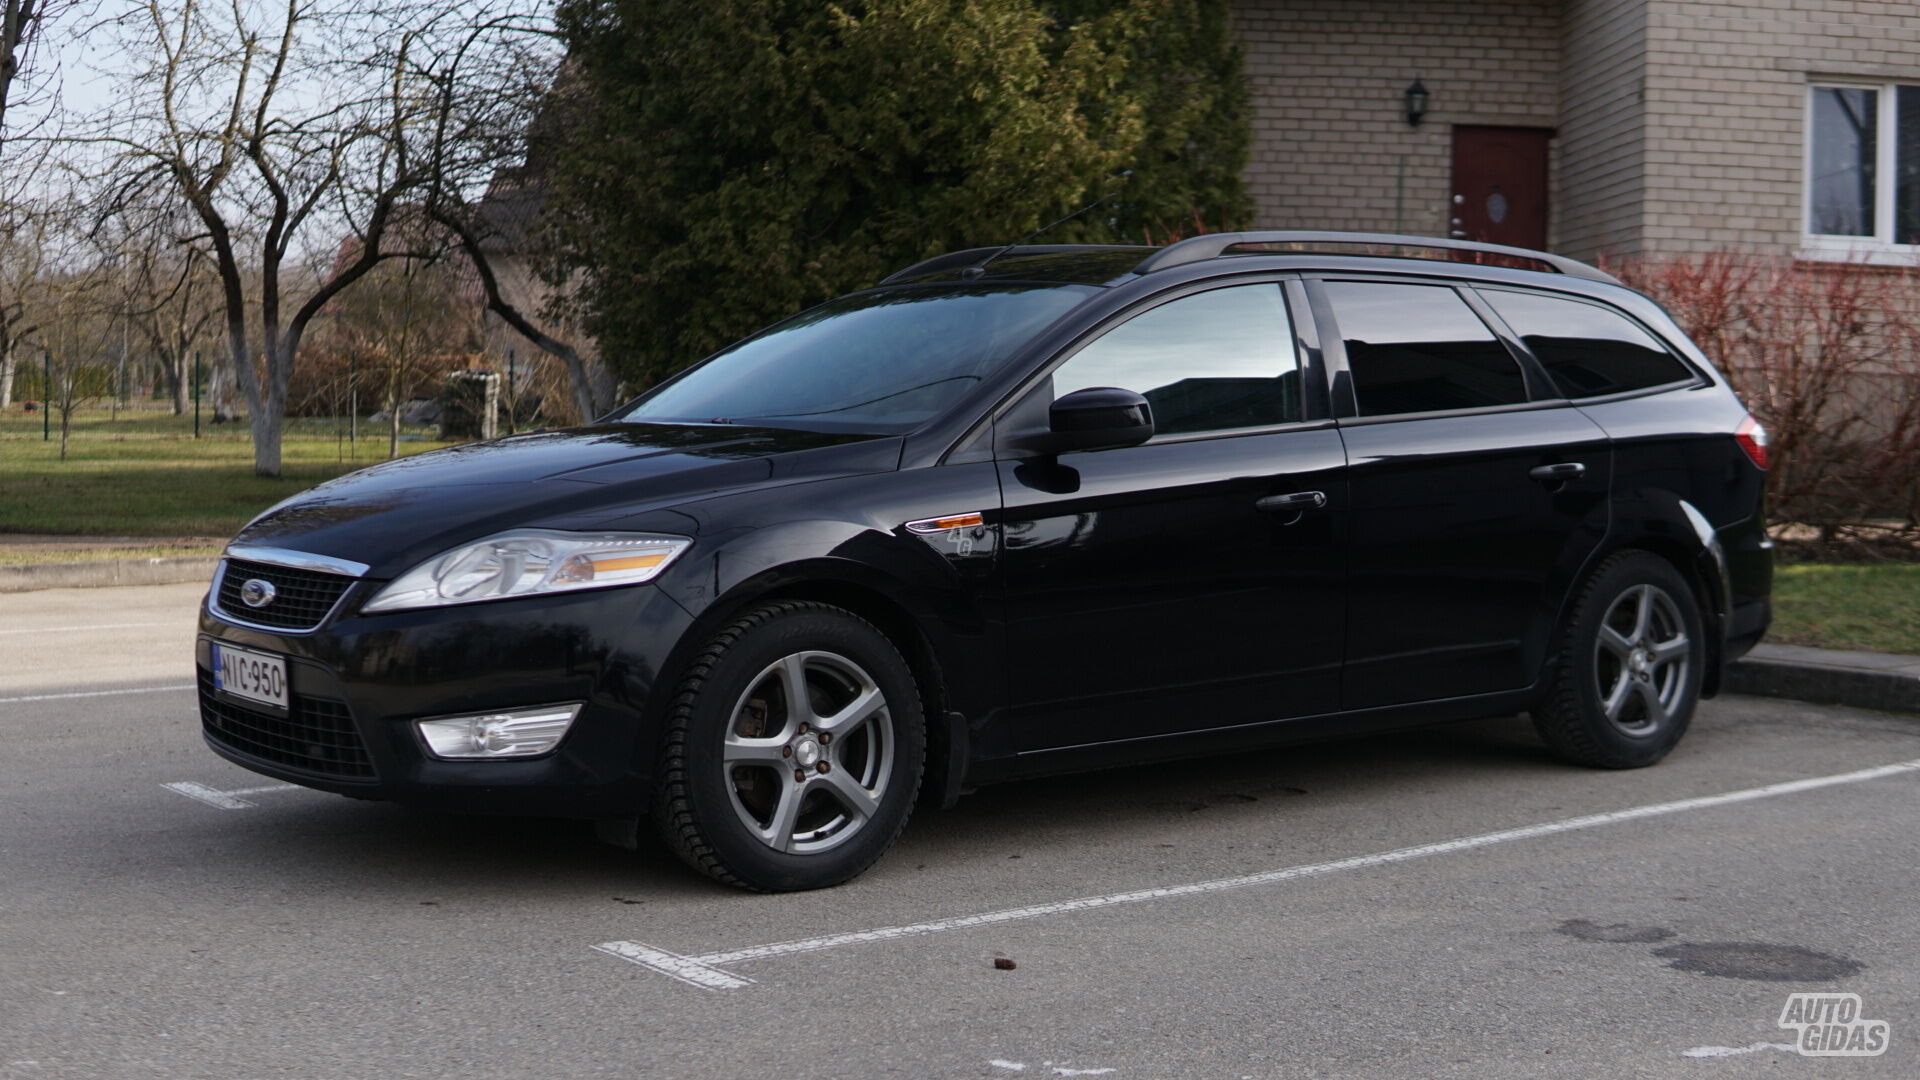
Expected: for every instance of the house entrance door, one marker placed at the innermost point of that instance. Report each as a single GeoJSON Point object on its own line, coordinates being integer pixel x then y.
{"type": "Point", "coordinates": [1500, 185]}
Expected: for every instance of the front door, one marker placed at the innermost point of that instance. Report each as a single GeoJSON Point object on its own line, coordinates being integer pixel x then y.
{"type": "Point", "coordinates": [1164, 588]}
{"type": "Point", "coordinates": [1500, 185]}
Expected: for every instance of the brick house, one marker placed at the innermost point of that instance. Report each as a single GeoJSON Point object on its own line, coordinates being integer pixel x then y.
{"type": "Point", "coordinates": [1592, 127]}
{"type": "Point", "coordinates": [1588, 127]}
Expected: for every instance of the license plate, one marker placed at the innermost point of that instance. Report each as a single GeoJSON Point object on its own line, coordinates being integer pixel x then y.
{"type": "Point", "coordinates": [255, 676]}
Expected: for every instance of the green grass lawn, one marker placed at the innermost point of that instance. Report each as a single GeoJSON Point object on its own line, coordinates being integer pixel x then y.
{"type": "Point", "coordinates": [1874, 608]}
{"type": "Point", "coordinates": [25, 554]}
{"type": "Point", "coordinates": [145, 474]}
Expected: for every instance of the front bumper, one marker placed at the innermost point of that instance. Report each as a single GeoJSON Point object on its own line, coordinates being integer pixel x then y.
{"type": "Point", "coordinates": [358, 683]}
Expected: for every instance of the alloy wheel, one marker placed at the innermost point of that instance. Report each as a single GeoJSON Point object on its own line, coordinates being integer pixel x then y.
{"type": "Point", "coordinates": [809, 752]}
{"type": "Point", "coordinates": [1642, 659]}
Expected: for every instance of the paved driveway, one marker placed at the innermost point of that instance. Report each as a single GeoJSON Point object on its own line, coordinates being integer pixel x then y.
{"type": "Point", "coordinates": [1448, 902]}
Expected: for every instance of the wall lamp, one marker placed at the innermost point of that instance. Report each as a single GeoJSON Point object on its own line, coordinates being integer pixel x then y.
{"type": "Point", "coordinates": [1416, 96]}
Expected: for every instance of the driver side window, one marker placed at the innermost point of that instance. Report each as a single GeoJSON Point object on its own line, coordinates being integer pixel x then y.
{"type": "Point", "coordinates": [1213, 361]}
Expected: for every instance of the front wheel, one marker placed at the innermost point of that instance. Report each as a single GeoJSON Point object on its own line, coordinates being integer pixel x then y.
{"type": "Point", "coordinates": [1626, 676]}
{"type": "Point", "coordinates": [794, 751]}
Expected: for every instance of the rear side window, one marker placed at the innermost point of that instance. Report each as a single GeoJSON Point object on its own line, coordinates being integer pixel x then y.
{"type": "Point", "coordinates": [1213, 361]}
{"type": "Point", "coordinates": [1588, 349]}
{"type": "Point", "coordinates": [1420, 348]}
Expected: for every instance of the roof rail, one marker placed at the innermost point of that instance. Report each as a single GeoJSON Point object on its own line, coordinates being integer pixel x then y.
{"type": "Point", "coordinates": [970, 256]}
{"type": "Point", "coordinates": [1214, 245]}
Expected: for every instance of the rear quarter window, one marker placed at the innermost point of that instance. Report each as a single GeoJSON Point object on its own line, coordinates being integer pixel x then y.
{"type": "Point", "coordinates": [1588, 350]}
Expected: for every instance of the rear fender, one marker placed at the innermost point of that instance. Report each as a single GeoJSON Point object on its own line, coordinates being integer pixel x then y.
{"type": "Point", "coordinates": [1669, 526]}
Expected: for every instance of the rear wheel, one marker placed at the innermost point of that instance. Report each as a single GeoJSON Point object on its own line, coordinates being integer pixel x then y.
{"type": "Point", "coordinates": [794, 751]}
{"type": "Point", "coordinates": [1626, 677]}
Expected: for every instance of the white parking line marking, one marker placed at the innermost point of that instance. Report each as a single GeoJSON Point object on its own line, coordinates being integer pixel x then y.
{"type": "Point", "coordinates": [205, 794]}
{"type": "Point", "coordinates": [225, 800]}
{"type": "Point", "coordinates": [670, 962]}
{"type": "Point", "coordinates": [1732, 1051]}
{"type": "Point", "coordinates": [96, 693]}
{"type": "Point", "coordinates": [680, 967]}
{"type": "Point", "coordinates": [101, 626]}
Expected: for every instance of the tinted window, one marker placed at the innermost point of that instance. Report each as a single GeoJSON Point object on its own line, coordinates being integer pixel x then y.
{"type": "Point", "coordinates": [1212, 361]}
{"type": "Point", "coordinates": [1587, 349]}
{"type": "Point", "coordinates": [882, 361]}
{"type": "Point", "coordinates": [1420, 348]}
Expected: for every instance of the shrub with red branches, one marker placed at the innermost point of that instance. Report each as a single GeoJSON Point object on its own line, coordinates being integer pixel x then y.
{"type": "Point", "coordinates": [1827, 355]}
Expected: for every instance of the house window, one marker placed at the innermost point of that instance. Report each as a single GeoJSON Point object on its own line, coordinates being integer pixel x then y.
{"type": "Point", "coordinates": [1863, 169]}
{"type": "Point", "coordinates": [1846, 131]}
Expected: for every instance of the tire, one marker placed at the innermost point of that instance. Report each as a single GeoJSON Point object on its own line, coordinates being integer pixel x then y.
{"type": "Point", "coordinates": [1623, 683]}
{"type": "Point", "coordinates": [728, 801]}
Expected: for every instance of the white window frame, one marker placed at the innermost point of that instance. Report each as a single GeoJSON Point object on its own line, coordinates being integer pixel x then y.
{"type": "Point", "coordinates": [1879, 248]}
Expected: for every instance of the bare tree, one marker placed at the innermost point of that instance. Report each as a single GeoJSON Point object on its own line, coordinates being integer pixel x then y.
{"type": "Point", "coordinates": [171, 293]}
{"type": "Point", "coordinates": [20, 24]}
{"type": "Point", "coordinates": [24, 210]}
{"type": "Point", "coordinates": [405, 323]}
{"type": "Point", "coordinates": [497, 96]}
{"type": "Point", "coordinates": [23, 269]}
{"type": "Point", "coordinates": [283, 129]}
{"type": "Point", "coordinates": [24, 80]}
{"type": "Point", "coordinates": [77, 321]}
{"type": "Point", "coordinates": [592, 384]}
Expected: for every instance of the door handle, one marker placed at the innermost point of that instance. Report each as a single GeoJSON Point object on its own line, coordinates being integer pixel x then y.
{"type": "Point", "coordinates": [1296, 502]}
{"type": "Point", "coordinates": [1554, 474]}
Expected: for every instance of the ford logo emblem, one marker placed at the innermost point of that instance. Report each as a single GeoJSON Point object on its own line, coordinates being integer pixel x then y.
{"type": "Point", "coordinates": [256, 593]}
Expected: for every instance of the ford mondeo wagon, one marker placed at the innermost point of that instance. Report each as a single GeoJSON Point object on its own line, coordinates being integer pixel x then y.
{"type": "Point", "coordinates": [1018, 511]}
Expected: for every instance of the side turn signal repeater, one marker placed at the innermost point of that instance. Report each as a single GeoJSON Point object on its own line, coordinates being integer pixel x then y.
{"type": "Point", "coordinates": [942, 524]}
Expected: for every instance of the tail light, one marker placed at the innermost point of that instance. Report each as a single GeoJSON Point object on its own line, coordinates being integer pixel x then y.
{"type": "Point", "coordinates": [1753, 439]}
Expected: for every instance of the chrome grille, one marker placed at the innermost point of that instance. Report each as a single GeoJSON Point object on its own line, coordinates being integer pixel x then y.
{"type": "Point", "coordinates": [302, 598]}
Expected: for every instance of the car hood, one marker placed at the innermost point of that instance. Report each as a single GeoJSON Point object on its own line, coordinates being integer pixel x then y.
{"type": "Point", "coordinates": [393, 515]}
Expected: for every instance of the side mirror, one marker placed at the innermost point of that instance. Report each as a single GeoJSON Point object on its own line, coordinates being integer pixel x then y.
{"type": "Point", "coordinates": [1098, 418]}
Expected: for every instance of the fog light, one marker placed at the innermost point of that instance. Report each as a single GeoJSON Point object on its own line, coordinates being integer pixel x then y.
{"type": "Point", "coordinates": [512, 734]}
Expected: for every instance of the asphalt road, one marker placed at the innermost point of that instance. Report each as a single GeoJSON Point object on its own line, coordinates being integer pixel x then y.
{"type": "Point", "coordinates": [146, 932]}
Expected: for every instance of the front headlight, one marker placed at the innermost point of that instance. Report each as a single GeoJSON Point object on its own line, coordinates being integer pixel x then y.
{"type": "Point", "coordinates": [530, 562]}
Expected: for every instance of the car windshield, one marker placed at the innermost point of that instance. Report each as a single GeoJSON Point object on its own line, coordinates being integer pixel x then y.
{"type": "Point", "coordinates": [880, 362]}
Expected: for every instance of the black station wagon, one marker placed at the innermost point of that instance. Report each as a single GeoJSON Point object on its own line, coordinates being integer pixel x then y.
{"type": "Point", "coordinates": [1018, 511]}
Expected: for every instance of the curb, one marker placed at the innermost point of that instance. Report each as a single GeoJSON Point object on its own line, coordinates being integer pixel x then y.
{"type": "Point", "coordinates": [83, 575]}
{"type": "Point", "coordinates": [1885, 682]}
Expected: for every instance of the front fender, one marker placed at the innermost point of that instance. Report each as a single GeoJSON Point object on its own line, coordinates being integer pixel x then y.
{"type": "Point", "coordinates": [847, 543]}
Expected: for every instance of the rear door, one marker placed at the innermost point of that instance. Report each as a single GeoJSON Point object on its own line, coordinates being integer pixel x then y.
{"type": "Point", "coordinates": [1160, 588]}
{"type": "Point", "coordinates": [1477, 493]}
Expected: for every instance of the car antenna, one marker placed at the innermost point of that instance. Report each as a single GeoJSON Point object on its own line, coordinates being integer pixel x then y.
{"type": "Point", "coordinates": [979, 269]}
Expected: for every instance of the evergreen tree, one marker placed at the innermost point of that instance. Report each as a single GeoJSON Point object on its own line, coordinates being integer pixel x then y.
{"type": "Point", "coordinates": [723, 163]}
{"type": "Point", "coordinates": [1182, 69]}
